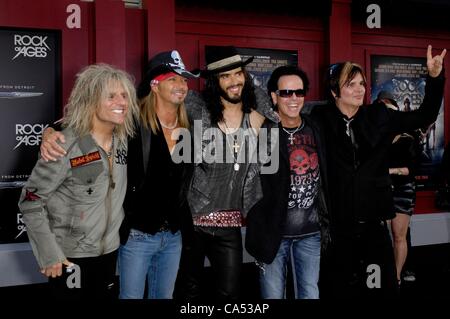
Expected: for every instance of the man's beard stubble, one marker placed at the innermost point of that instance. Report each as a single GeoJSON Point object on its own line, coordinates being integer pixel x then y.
{"type": "Point", "coordinates": [227, 98]}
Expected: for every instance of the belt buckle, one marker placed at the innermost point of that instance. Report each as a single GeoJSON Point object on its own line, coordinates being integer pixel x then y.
{"type": "Point", "coordinates": [164, 227]}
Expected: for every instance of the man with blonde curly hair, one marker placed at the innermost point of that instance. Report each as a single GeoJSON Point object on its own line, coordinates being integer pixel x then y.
{"type": "Point", "coordinates": [72, 207]}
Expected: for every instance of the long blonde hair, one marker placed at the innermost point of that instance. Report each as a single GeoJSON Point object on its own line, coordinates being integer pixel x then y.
{"type": "Point", "coordinates": [90, 87]}
{"type": "Point", "coordinates": [148, 113]}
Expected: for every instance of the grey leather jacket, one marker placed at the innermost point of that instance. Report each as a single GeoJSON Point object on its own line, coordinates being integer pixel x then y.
{"type": "Point", "coordinates": [73, 207]}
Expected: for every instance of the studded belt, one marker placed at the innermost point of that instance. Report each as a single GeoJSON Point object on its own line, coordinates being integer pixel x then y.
{"type": "Point", "coordinates": [223, 218]}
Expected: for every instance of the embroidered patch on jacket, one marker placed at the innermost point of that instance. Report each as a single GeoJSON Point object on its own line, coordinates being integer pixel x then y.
{"type": "Point", "coordinates": [84, 159]}
{"type": "Point", "coordinates": [30, 195]}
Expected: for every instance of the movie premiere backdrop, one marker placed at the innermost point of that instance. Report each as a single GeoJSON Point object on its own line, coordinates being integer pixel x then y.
{"type": "Point", "coordinates": [265, 61]}
{"type": "Point", "coordinates": [29, 101]}
{"type": "Point", "coordinates": [405, 78]}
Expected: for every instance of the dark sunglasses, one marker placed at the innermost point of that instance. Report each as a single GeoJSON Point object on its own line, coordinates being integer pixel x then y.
{"type": "Point", "coordinates": [289, 93]}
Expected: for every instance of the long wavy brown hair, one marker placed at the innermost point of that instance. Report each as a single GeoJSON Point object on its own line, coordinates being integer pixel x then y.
{"type": "Point", "coordinates": [212, 93]}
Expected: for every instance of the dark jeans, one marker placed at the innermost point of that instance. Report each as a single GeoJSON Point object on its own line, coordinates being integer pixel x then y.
{"type": "Point", "coordinates": [347, 265]}
{"type": "Point", "coordinates": [223, 247]}
{"type": "Point", "coordinates": [97, 279]}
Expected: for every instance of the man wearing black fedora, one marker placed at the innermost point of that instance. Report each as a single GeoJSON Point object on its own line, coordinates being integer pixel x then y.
{"type": "Point", "coordinates": [222, 192]}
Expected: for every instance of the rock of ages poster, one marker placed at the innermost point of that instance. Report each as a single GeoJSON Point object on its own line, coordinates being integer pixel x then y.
{"type": "Point", "coordinates": [265, 61]}
{"type": "Point", "coordinates": [405, 78]}
{"type": "Point", "coordinates": [29, 101]}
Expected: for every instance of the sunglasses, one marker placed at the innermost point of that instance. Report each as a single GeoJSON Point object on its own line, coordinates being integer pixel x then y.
{"type": "Point", "coordinates": [289, 93]}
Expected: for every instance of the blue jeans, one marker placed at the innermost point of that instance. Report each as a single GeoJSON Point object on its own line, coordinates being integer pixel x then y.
{"type": "Point", "coordinates": [305, 256]}
{"type": "Point", "coordinates": [152, 257]}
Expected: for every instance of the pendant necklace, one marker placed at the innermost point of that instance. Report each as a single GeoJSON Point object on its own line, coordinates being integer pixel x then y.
{"type": "Point", "coordinates": [291, 134]}
{"type": "Point", "coordinates": [235, 148]}
{"type": "Point", "coordinates": [111, 149]}
{"type": "Point", "coordinates": [347, 123]}
{"type": "Point", "coordinates": [110, 162]}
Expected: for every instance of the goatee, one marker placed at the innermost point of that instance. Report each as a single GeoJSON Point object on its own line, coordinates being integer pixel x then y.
{"type": "Point", "coordinates": [227, 98]}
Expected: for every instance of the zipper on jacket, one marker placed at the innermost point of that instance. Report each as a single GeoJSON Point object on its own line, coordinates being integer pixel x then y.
{"type": "Point", "coordinates": [108, 202]}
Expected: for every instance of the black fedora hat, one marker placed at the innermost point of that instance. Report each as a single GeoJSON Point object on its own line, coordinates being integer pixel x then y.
{"type": "Point", "coordinates": [221, 59]}
{"type": "Point", "coordinates": [164, 62]}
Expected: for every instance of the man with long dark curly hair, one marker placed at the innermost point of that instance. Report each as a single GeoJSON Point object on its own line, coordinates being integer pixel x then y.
{"type": "Point", "coordinates": [225, 182]}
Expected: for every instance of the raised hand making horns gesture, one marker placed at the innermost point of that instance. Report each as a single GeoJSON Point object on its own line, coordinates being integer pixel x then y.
{"type": "Point", "coordinates": [434, 64]}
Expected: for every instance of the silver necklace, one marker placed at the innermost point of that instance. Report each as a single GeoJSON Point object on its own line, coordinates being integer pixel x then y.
{"type": "Point", "coordinates": [169, 127]}
{"type": "Point", "coordinates": [347, 123]}
{"type": "Point", "coordinates": [235, 148]}
{"type": "Point", "coordinates": [111, 149]}
{"type": "Point", "coordinates": [291, 134]}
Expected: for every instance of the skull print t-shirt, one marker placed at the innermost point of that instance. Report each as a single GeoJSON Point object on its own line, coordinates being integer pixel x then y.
{"type": "Point", "coordinates": [302, 216]}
